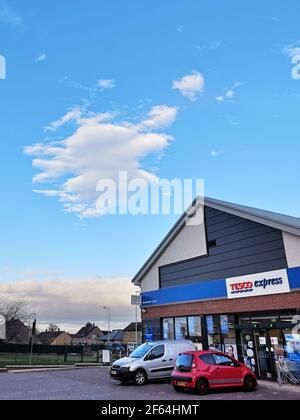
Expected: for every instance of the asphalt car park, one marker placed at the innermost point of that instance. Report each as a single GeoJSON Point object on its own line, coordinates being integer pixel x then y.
{"type": "Point", "coordinates": [96, 384]}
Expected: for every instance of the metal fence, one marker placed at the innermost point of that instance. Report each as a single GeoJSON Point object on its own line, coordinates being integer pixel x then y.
{"type": "Point", "coordinates": [14, 354]}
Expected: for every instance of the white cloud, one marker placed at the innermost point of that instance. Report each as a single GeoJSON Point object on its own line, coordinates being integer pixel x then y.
{"type": "Point", "coordinates": [216, 153]}
{"type": "Point", "coordinates": [106, 84]}
{"type": "Point", "coordinates": [72, 302]}
{"type": "Point", "coordinates": [190, 86]}
{"type": "Point", "coordinates": [98, 148]}
{"type": "Point", "coordinates": [160, 116]}
{"type": "Point", "coordinates": [41, 57]}
{"type": "Point", "coordinates": [229, 93]}
{"type": "Point", "coordinates": [7, 15]}
{"type": "Point", "coordinates": [73, 115]}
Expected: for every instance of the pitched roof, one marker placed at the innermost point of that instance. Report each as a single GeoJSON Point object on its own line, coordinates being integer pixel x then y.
{"type": "Point", "coordinates": [49, 336]}
{"type": "Point", "coordinates": [113, 336]}
{"type": "Point", "coordinates": [131, 327]}
{"type": "Point", "coordinates": [279, 221]}
{"type": "Point", "coordinates": [16, 332]}
{"type": "Point", "coordinates": [86, 331]}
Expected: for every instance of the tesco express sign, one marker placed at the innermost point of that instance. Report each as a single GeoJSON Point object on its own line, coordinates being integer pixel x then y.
{"type": "Point", "coordinates": [271, 283]}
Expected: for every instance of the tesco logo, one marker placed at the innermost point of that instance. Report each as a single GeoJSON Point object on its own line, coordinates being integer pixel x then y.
{"type": "Point", "coordinates": [241, 287]}
{"type": "Point", "coordinates": [248, 286]}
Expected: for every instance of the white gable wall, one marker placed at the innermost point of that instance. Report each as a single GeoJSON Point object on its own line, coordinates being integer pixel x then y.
{"type": "Point", "coordinates": [292, 249]}
{"type": "Point", "coordinates": [189, 243]}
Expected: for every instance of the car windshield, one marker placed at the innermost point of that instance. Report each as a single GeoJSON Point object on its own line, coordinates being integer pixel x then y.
{"type": "Point", "coordinates": [141, 351]}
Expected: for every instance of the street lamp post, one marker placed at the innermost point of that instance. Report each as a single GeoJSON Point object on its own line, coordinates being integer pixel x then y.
{"type": "Point", "coordinates": [108, 316]}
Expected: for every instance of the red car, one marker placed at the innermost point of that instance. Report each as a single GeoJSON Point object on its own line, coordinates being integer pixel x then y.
{"type": "Point", "coordinates": [205, 370]}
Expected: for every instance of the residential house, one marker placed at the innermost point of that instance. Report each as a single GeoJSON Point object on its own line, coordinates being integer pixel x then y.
{"type": "Point", "coordinates": [114, 337]}
{"type": "Point", "coordinates": [129, 333]}
{"type": "Point", "coordinates": [17, 332]}
{"type": "Point", "coordinates": [87, 335]}
{"type": "Point", "coordinates": [54, 338]}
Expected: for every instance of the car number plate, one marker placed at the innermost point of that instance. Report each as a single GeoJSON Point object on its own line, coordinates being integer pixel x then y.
{"type": "Point", "coordinates": [181, 383]}
{"type": "Point", "coordinates": [113, 372]}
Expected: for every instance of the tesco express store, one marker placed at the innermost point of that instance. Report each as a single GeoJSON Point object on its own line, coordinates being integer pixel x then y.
{"type": "Point", "coordinates": [228, 278]}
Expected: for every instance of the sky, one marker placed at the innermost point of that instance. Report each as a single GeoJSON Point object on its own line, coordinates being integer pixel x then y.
{"type": "Point", "coordinates": [193, 89]}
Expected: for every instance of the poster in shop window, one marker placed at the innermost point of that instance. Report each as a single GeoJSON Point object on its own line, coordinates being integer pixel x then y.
{"type": "Point", "coordinates": [224, 324]}
{"type": "Point", "coordinates": [210, 325]}
{"type": "Point", "coordinates": [231, 350]}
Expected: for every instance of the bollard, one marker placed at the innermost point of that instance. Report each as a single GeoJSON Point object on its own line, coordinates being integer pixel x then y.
{"type": "Point", "coordinates": [279, 379]}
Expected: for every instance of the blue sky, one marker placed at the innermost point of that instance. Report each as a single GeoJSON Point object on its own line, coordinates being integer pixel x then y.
{"type": "Point", "coordinates": [239, 132]}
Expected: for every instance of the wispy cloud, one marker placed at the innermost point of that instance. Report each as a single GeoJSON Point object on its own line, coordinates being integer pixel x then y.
{"type": "Point", "coordinates": [41, 57]}
{"type": "Point", "coordinates": [190, 86]}
{"type": "Point", "coordinates": [7, 15]}
{"type": "Point", "coordinates": [98, 148]}
{"type": "Point", "coordinates": [106, 84]}
{"type": "Point", "coordinates": [229, 93]}
{"type": "Point", "coordinates": [216, 153]}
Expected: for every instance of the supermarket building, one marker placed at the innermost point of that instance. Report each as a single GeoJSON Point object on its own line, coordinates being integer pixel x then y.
{"type": "Point", "coordinates": [230, 280]}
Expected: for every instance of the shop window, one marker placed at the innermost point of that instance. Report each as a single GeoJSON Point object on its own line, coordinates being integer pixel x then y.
{"type": "Point", "coordinates": [195, 329]}
{"type": "Point", "coordinates": [229, 335]}
{"type": "Point", "coordinates": [214, 333]}
{"type": "Point", "coordinates": [168, 329]}
{"type": "Point", "coordinates": [181, 328]}
{"type": "Point", "coordinates": [151, 330]}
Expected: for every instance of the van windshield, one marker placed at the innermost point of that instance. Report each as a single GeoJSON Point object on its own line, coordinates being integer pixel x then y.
{"type": "Point", "coordinates": [141, 351]}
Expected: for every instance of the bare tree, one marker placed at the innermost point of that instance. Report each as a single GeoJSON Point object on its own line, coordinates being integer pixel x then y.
{"type": "Point", "coordinates": [53, 328]}
{"type": "Point", "coordinates": [16, 310]}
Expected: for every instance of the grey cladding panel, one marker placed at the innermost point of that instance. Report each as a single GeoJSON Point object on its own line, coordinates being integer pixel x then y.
{"type": "Point", "coordinates": [243, 247]}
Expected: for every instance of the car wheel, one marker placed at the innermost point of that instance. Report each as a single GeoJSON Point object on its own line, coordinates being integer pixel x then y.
{"type": "Point", "coordinates": [250, 384]}
{"type": "Point", "coordinates": [140, 377]}
{"type": "Point", "coordinates": [202, 386]}
{"type": "Point", "coordinates": [178, 388]}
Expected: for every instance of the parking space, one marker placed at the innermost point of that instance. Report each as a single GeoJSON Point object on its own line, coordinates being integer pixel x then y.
{"type": "Point", "coordinates": [95, 384]}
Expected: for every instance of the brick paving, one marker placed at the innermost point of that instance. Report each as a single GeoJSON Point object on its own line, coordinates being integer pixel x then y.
{"type": "Point", "coordinates": [95, 384]}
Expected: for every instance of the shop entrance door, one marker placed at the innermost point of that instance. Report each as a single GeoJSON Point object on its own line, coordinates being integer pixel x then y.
{"type": "Point", "coordinates": [264, 354]}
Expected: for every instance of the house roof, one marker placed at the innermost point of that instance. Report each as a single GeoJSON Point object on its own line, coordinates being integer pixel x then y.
{"type": "Point", "coordinates": [113, 336]}
{"type": "Point", "coordinates": [49, 336]}
{"type": "Point", "coordinates": [16, 331]}
{"type": "Point", "coordinates": [279, 221]}
{"type": "Point", "coordinates": [86, 331]}
{"type": "Point", "coordinates": [132, 326]}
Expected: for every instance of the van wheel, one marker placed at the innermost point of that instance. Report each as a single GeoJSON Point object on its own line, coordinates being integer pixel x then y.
{"type": "Point", "coordinates": [140, 377]}
{"type": "Point", "coordinates": [178, 388]}
{"type": "Point", "coordinates": [250, 384]}
{"type": "Point", "coordinates": [202, 386]}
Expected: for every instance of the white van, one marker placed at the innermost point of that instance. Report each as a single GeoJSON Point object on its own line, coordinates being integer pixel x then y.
{"type": "Point", "coordinates": [150, 361]}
